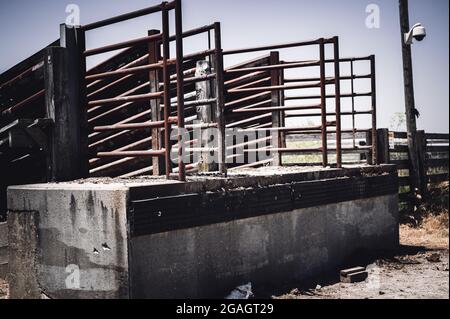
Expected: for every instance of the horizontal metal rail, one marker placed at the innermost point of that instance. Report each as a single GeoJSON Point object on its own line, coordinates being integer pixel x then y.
{"type": "Point", "coordinates": [22, 103]}
{"type": "Point", "coordinates": [122, 99]}
{"type": "Point", "coordinates": [127, 16]}
{"type": "Point", "coordinates": [22, 75]}
{"type": "Point", "coordinates": [192, 32]}
{"type": "Point", "coordinates": [308, 150]}
{"type": "Point", "coordinates": [345, 77]}
{"type": "Point", "coordinates": [287, 129]}
{"type": "Point", "coordinates": [275, 67]}
{"type": "Point", "coordinates": [278, 108]}
{"type": "Point", "coordinates": [276, 47]}
{"type": "Point", "coordinates": [161, 152]}
{"type": "Point", "coordinates": [328, 96]}
{"type": "Point", "coordinates": [134, 70]}
{"type": "Point", "coordinates": [276, 88]}
{"type": "Point", "coordinates": [122, 45]}
{"type": "Point", "coordinates": [133, 126]}
{"type": "Point", "coordinates": [245, 77]}
{"type": "Point", "coordinates": [330, 114]}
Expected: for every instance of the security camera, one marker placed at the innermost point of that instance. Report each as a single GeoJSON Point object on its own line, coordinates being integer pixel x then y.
{"type": "Point", "coordinates": [417, 32]}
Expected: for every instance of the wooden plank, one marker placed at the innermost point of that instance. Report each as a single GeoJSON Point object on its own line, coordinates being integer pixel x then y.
{"type": "Point", "coordinates": [400, 134]}
{"type": "Point", "coordinates": [438, 162]}
{"type": "Point", "coordinates": [401, 148]}
{"type": "Point", "coordinates": [401, 164]}
{"type": "Point", "coordinates": [438, 149]}
{"type": "Point", "coordinates": [404, 197]}
{"type": "Point", "coordinates": [25, 64]}
{"type": "Point", "coordinates": [437, 136]}
{"type": "Point", "coordinates": [206, 115]}
{"type": "Point", "coordinates": [65, 104]}
{"type": "Point", "coordinates": [403, 181]}
{"type": "Point", "coordinates": [383, 146]}
{"type": "Point", "coordinates": [14, 124]}
{"type": "Point", "coordinates": [3, 234]}
{"type": "Point", "coordinates": [421, 143]}
{"type": "Point", "coordinates": [65, 149]}
{"type": "Point", "coordinates": [437, 178]}
{"type": "Point", "coordinates": [154, 54]}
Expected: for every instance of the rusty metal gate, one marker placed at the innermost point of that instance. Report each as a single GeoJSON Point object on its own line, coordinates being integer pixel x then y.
{"type": "Point", "coordinates": [125, 117]}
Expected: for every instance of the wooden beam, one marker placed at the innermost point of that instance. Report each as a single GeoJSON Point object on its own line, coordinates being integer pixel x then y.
{"type": "Point", "coordinates": [154, 56]}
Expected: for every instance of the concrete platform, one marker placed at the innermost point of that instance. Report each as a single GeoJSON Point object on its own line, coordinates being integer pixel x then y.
{"type": "Point", "coordinates": [152, 238]}
{"type": "Point", "coordinates": [3, 250]}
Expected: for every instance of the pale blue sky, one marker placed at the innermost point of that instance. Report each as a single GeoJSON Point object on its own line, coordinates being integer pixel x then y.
{"type": "Point", "coordinates": [27, 26]}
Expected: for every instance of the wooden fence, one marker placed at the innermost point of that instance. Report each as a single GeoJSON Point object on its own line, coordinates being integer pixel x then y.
{"type": "Point", "coordinates": [433, 155]}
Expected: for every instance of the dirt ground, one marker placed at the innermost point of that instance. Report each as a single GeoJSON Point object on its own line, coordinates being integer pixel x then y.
{"type": "Point", "coordinates": [3, 289]}
{"type": "Point", "coordinates": [418, 270]}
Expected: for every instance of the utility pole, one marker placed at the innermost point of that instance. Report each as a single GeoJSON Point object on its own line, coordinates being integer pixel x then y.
{"type": "Point", "coordinates": [411, 127]}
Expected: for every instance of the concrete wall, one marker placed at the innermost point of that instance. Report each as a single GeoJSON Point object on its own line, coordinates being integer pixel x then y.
{"type": "Point", "coordinates": [68, 241]}
{"type": "Point", "coordinates": [210, 261]}
{"type": "Point", "coordinates": [3, 250]}
{"type": "Point", "coordinates": [73, 240]}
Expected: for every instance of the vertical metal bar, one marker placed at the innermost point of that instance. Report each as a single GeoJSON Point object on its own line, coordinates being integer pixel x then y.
{"type": "Point", "coordinates": [209, 39]}
{"type": "Point", "coordinates": [323, 104]}
{"type": "Point", "coordinates": [180, 87]}
{"type": "Point", "coordinates": [337, 85]}
{"type": "Point", "coordinates": [275, 97]}
{"type": "Point", "coordinates": [154, 57]}
{"type": "Point", "coordinates": [352, 73]}
{"type": "Point", "coordinates": [220, 102]}
{"type": "Point", "coordinates": [283, 112]}
{"type": "Point", "coordinates": [166, 80]}
{"type": "Point", "coordinates": [374, 110]}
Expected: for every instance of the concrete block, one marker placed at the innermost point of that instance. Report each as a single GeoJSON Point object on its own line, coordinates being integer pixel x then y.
{"type": "Point", "coordinates": [68, 242]}
{"type": "Point", "coordinates": [3, 255]}
{"type": "Point", "coordinates": [3, 234]}
{"type": "Point", "coordinates": [72, 240]}
{"type": "Point", "coordinates": [3, 271]}
{"type": "Point", "coordinates": [353, 275]}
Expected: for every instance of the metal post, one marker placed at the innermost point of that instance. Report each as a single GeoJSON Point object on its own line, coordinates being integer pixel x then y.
{"type": "Point", "coordinates": [166, 80]}
{"type": "Point", "coordinates": [275, 97]}
{"type": "Point", "coordinates": [352, 84]}
{"type": "Point", "coordinates": [409, 97]}
{"type": "Point", "coordinates": [180, 87]}
{"type": "Point", "coordinates": [323, 104]}
{"type": "Point", "coordinates": [153, 57]}
{"type": "Point", "coordinates": [374, 110]}
{"type": "Point", "coordinates": [282, 113]}
{"type": "Point", "coordinates": [337, 85]}
{"type": "Point", "coordinates": [220, 98]}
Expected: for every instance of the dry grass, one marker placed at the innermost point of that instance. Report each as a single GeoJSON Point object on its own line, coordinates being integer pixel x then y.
{"type": "Point", "coordinates": [3, 289]}
{"type": "Point", "coordinates": [432, 233]}
{"type": "Point", "coordinates": [432, 230]}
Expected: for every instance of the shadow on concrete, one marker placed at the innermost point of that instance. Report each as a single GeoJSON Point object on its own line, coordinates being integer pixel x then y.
{"type": "Point", "coordinates": [360, 258]}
